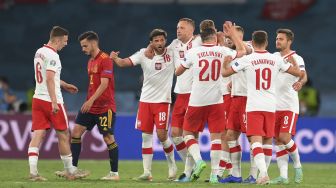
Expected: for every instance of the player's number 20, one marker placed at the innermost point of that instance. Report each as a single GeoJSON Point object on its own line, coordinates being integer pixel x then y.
{"type": "Point", "coordinates": [214, 71]}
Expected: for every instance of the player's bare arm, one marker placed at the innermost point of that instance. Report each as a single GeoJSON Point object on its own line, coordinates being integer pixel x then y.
{"type": "Point", "coordinates": [301, 82]}
{"type": "Point", "coordinates": [294, 69]}
{"type": "Point", "coordinates": [126, 62]}
{"type": "Point", "coordinates": [69, 87]}
{"type": "Point", "coordinates": [226, 68]}
{"type": "Point", "coordinates": [231, 32]}
{"type": "Point", "coordinates": [248, 48]}
{"type": "Point", "coordinates": [51, 90]}
{"type": "Point", "coordinates": [102, 87]}
{"type": "Point", "coordinates": [180, 70]}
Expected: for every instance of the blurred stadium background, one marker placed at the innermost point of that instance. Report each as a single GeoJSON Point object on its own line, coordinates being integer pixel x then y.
{"type": "Point", "coordinates": [123, 25]}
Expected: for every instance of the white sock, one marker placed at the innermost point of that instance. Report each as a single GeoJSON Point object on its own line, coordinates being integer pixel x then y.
{"type": "Point", "coordinates": [33, 153]}
{"type": "Point", "coordinates": [147, 153]}
{"type": "Point", "coordinates": [222, 164]}
{"type": "Point", "coordinates": [181, 147]}
{"type": "Point", "coordinates": [169, 152]}
{"type": "Point", "coordinates": [268, 154]}
{"type": "Point", "coordinates": [253, 168]}
{"type": "Point", "coordinates": [235, 153]}
{"type": "Point", "coordinates": [189, 165]}
{"type": "Point", "coordinates": [215, 152]}
{"type": "Point", "coordinates": [259, 159]}
{"type": "Point", "coordinates": [282, 160]}
{"type": "Point", "coordinates": [193, 147]}
{"type": "Point", "coordinates": [67, 162]}
{"type": "Point", "coordinates": [294, 153]}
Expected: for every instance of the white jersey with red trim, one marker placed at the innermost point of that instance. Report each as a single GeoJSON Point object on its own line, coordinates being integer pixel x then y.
{"type": "Point", "coordinates": [47, 59]}
{"type": "Point", "coordinates": [183, 82]}
{"type": "Point", "coordinates": [239, 87]}
{"type": "Point", "coordinates": [287, 97]}
{"type": "Point", "coordinates": [158, 75]}
{"type": "Point", "coordinates": [206, 63]}
{"type": "Point", "coordinates": [261, 69]}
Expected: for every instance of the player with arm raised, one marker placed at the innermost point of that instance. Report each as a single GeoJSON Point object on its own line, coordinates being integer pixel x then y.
{"type": "Point", "coordinates": [261, 69]}
{"type": "Point", "coordinates": [206, 100]}
{"type": "Point", "coordinates": [155, 99]}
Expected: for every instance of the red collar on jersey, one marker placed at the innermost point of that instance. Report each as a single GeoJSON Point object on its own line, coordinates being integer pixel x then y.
{"type": "Point", "coordinates": [291, 53]}
{"type": "Point", "coordinates": [261, 51]}
{"type": "Point", "coordinates": [208, 45]}
{"type": "Point", "coordinates": [53, 49]}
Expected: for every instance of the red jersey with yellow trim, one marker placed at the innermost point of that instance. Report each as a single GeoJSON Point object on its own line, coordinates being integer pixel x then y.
{"type": "Point", "coordinates": [101, 67]}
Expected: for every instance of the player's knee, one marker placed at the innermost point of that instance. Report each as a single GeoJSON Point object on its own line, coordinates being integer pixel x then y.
{"type": "Point", "coordinates": [176, 132]}
{"type": "Point", "coordinates": [162, 136]}
{"type": "Point", "coordinates": [108, 138]}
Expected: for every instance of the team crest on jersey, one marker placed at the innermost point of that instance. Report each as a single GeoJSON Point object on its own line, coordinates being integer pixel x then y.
{"type": "Point", "coordinates": [158, 66]}
{"type": "Point", "coordinates": [52, 63]}
{"type": "Point", "coordinates": [181, 54]}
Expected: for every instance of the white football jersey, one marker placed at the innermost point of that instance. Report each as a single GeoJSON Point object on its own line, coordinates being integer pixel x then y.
{"type": "Point", "coordinates": [183, 82]}
{"type": "Point", "coordinates": [206, 63]}
{"type": "Point", "coordinates": [287, 97]}
{"type": "Point", "coordinates": [224, 87]}
{"type": "Point", "coordinates": [158, 76]}
{"type": "Point", "coordinates": [261, 69]}
{"type": "Point", "coordinates": [47, 59]}
{"type": "Point", "coordinates": [239, 87]}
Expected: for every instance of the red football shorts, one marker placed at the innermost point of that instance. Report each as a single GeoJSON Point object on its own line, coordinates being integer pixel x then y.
{"type": "Point", "coordinates": [42, 116]}
{"type": "Point", "coordinates": [237, 114]}
{"type": "Point", "coordinates": [260, 123]}
{"type": "Point", "coordinates": [285, 122]}
{"type": "Point", "coordinates": [180, 109]}
{"type": "Point", "coordinates": [150, 114]}
{"type": "Point", "coordinates": [197, 116]}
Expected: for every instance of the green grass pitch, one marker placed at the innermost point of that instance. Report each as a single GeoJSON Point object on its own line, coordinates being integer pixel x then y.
{"type": "Point", "coordinates": [14, 173]}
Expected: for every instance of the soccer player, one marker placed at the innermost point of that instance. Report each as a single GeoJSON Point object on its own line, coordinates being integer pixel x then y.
{"type": "Point", "coordinates": [47, 105]}
{"type": "Point", "coordinates": [155, 100]}
{"type": "Point", "coordinates": [261, 69]}
{"type": "Point", "coordinates": [225, 162]}
{"type": "Point", "coordinates": [184, 42]}
{"type": "Point", "coordinates": [206, 100]}
{"type": "Point", "coordinates": [236, 121]}
{"type": "Point", "coordinates": [99, 108]}
{"type": "Point", "coordinates": [287, 110]}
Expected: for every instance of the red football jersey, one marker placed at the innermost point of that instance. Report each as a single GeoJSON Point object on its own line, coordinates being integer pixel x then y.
{"type": "Point", "coordinates": [101, 67]}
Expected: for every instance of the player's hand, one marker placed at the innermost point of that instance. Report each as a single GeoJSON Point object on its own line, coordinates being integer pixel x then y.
{"type": "Point", "coordinates": [228, 28]}
{"type": "Point", "coordinates": [87, 106]}
{"type": "Point", "coordinates": [114, 55]}
{"type": "Point", "coordinates": [297, 86]}
{"type": "Point", "coordinates": [291, 60]}
{"type": "Point", "coordinates": [54, 107]}
{"type": "Point", "coordinates": [70, 88]}
{"type": "Point", "coordinates": [149, 52]}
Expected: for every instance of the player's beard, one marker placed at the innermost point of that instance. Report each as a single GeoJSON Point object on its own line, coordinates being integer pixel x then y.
{"type": "Point", "coordinates": [160, 49]}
